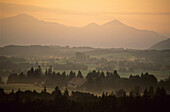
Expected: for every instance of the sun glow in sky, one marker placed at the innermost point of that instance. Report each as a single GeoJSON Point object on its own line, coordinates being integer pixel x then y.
{"type": "Point", "coordinates": [144, 14]}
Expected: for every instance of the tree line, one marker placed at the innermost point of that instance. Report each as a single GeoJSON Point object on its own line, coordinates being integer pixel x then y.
{"type": "Point", "coordinates": [58, 101]}
{"type": "Point", "coordinates": [97, 81]}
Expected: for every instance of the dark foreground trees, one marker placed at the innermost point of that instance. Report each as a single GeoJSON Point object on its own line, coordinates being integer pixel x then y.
{"type": "Point", "coordinates": [57, 101]}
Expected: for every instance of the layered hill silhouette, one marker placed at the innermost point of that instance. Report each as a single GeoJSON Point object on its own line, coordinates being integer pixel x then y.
{"type": "Point", "coordinates": [25, 30]}
{"type": "Point", "coordinates": [165, 44]}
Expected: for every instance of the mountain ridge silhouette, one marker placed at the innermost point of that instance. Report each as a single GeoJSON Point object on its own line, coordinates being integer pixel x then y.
{"type": "Point", "coordinates": [26, 29]}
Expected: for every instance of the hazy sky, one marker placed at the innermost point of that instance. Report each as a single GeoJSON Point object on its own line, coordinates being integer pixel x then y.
{"type": "Point", "coordinates": [143, 14]}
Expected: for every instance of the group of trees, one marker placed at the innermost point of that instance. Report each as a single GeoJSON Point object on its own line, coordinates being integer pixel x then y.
{"type": "Point", "coordinates": [57, 101]}
{"type": "Point", "coordinates": [94, 81]}
{"type": "Point", "coordinates": [33, 75]}
{"type": "Point", "coordinates": [98, 81]}
{"type": "Point", "coordinates": [50, 78]}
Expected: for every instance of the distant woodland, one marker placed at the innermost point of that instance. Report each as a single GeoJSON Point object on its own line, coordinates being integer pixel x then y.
{"type": "Point", "coordinates": [95, 81]}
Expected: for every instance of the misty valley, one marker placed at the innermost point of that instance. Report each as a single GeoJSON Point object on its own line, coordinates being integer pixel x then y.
{"type": "Point", "coordinates": [83, 77]}
{"type": "Point", "coordinates": [17, 59]}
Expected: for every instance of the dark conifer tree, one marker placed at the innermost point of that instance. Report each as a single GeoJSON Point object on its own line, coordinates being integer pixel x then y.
{"type": "Point", "coordinates": [79, 75]}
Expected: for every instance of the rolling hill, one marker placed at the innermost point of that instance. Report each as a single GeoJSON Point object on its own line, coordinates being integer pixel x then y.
{"type": "Point", "coordinates": [165, 44]}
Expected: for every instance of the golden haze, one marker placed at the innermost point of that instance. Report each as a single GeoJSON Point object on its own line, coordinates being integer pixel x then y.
{"type": "Point", "coordinates": [143, 14]}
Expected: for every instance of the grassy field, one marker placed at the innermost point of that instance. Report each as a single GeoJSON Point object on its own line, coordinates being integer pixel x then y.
{"type": "Point", "coordinates": [122, 55]}
{"type": "Point", "coordinates": [23, 87]}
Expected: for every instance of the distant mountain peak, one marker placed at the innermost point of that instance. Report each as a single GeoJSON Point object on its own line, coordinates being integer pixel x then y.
{"type": "Point", "coordinates": [23, 14]}
{"type": "Point", "coordinates": [24, 17]}
{"type": "Point", "coordinates": [114, 22]}
{"type": "Point", "coordinates": [92, 25]}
